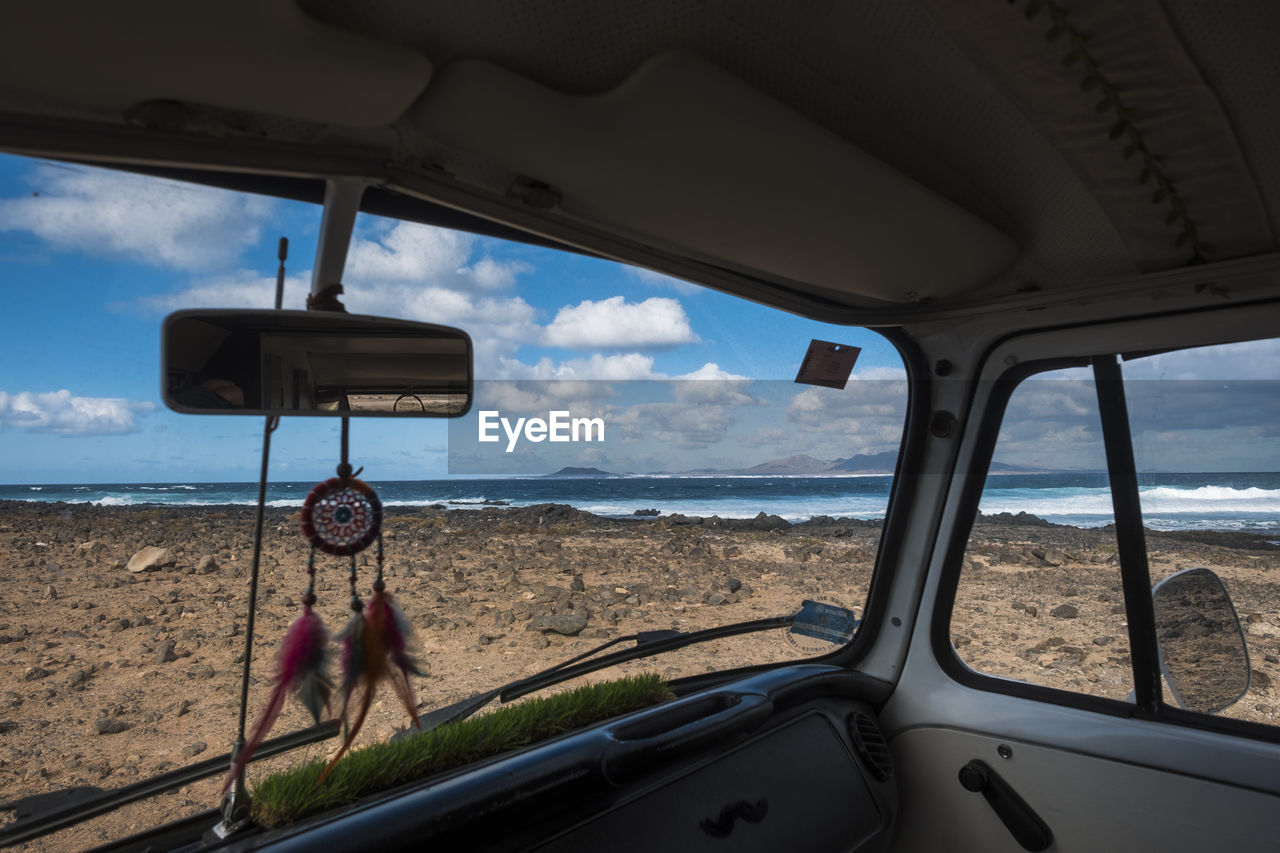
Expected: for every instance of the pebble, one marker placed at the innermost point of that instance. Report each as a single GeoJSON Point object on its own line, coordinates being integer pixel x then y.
{"type": "Point", "coordinates": [194, 748]}
{"type": "Point", "coordinates": [1065, 611]}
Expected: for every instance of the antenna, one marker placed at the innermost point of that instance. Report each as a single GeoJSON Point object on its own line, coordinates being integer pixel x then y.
{"type": "Point", "coordinates": [282, 253]}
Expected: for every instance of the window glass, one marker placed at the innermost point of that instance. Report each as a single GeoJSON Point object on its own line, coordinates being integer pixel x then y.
{"type": "Point", "coordinates": [1206, 437]}
{"type": "Point", "coordinates": [1039, 596]}
{"type": "Point", "coordinates": [725, 492]}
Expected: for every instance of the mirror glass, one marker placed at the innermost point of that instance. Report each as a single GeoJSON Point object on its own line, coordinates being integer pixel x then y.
{"type": "Point", "coordinates": [1202, 648]}
{"type": "Point", "coordinates": [313, 363]}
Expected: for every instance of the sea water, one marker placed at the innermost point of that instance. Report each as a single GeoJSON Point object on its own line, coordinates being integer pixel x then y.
{"type": "Point", "coordinates": [1224, 501]}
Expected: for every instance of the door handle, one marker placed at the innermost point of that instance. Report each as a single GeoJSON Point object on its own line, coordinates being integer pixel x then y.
{"type": "Point", "coordinates": [1020, 819]}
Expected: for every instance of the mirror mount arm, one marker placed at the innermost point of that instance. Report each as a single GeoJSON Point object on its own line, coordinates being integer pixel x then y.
{"type": "Point", "coordinates": [341, 205]}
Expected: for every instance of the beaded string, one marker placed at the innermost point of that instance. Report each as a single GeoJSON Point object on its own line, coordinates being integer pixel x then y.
{"type": "Point", "coordinates": [309, 597]}
{"type": "Point", "coordinates": [378, 585]}
{"type": "Point", "coordinates": [356, 604]}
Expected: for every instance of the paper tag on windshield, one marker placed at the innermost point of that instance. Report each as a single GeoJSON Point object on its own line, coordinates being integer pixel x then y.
{"type": "Point", "coordinates": [826, 623]}
{"type": "Point", "coordinates": [827, 364]}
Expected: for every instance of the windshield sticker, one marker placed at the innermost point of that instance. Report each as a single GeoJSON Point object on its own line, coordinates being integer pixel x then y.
{"type": "Point", "coordinates": [819, 625]}
{"type": "Point", "coordinates": [827, 364]}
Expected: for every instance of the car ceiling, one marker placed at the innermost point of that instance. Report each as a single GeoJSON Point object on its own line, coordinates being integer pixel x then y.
{"type": "Point", "coordinates": [875, 160]}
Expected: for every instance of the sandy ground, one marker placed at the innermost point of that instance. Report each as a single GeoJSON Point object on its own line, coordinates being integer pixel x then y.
{"type": "Point", "coordinates": [111, 676]}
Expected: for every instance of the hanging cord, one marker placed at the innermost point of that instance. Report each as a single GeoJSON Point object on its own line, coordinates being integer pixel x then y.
{"type": "Point", "coordinates": [344, 467]}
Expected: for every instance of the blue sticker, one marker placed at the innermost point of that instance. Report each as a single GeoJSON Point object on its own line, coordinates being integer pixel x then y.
{"type": "Point", "coordinates": [824, 622]}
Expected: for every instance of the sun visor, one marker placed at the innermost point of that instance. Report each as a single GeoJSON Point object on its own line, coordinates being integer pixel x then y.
{"type": "Point", "coordinates": [262, 56]}
{"type": "Point", "coordinates": [687, 157]}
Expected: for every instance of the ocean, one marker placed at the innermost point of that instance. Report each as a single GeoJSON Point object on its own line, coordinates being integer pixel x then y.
{"type": "Point", "coordinates": [1240, 501]}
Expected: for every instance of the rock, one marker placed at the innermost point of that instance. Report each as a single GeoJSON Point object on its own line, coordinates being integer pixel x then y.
{"type": "Point", "coordinates": [110, 726]}
{"type": "Point", "coordinates": [1101, 641]}
{"type": "Point", "coordinates": [566, 622]}
{"type": "Point", "coordinates": [194, 748]}
{"type": "Point", "coordinates": [1032, 610]}
{"type": "Point", "coordinates": [763, 521]}
{"type": "Point", "coordinates": [1064, 611]}
{"type": "Point", "coordinates": [202, 671]}
{"type": "Point", "coordinates": [207, 565]}
{"type": "Point", "coordinates": [733, 584]}
{"type": "Point", "coordinates": [92, 548]}
{"type": "Point", "coordinates": [646, 512]}
{"type": "Point", "coordinates": [166, 653]}
{"type": "Point", "coordinates": [577, 585]}
{"type": "Point", "coordinates": [715, 599]}
{"type": "Point", "coordinates": [151, 559]}
{"type": "Point", "coordinates": [35, 673]}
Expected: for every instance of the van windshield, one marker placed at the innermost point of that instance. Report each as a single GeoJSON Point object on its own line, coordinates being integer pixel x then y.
{"type": "Point", "coordinates": [639, 458]}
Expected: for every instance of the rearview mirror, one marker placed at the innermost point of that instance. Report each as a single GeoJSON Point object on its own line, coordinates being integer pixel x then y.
{"type": "Point", "coordinates": [1203, 655]}
{"type": "Point", "coordinates": [225, 362]}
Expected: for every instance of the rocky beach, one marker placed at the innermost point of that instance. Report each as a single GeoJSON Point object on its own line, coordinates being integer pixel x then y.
{"type": "Point", "coordinates": [122, 628]}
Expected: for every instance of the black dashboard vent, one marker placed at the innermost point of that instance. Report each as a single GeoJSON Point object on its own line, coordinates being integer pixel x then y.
{"type": "Point", "coordinates": [871, 745]}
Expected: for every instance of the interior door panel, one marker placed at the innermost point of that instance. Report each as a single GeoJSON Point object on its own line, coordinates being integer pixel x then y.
{"type": "Point", "coordinates": [1091, 804]}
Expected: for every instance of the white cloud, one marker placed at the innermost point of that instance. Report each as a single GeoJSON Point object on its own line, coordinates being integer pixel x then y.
{"type": "Point", "coordinates": [632, 365]}
{"type": "Point", "coordinates": [155, 221]}
{"type": "Point", "coordinates": [238, 289]}
{"type": "Point", "coordinates": [424, 256]}
{"type": "Point", "coordinates": [62, 413]}
{"type": "Point", "coordinates": [655, 323]}
{"type": "Point", "coordinates": [711, 370]}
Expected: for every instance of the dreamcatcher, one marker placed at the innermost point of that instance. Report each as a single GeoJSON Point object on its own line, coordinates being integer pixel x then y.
{"type": "Point", "coordinates": [341, 516]}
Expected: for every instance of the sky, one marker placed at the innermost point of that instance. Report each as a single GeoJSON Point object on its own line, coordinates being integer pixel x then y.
{"type": "Point", "coordinates": [92, 260]}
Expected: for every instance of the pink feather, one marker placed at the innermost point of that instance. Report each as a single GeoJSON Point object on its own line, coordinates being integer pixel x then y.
{"type": "Point", "coordinates": [396, 629]}
{"type": "Point", "coordinates": [300, 669]}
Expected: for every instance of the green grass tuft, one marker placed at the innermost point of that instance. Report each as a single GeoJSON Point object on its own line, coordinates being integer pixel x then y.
{"type": "Point", "coordinates": [293, 794]}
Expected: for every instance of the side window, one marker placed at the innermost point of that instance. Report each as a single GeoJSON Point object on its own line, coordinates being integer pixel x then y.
{"type": "Point", "coordinates": [1206, 442]}
{"type": "Point", "coordinates": [1039, 598]}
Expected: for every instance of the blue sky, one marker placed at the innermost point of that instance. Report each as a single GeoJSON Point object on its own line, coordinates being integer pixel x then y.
{"type": "Point", "coordinates": [92, 260]}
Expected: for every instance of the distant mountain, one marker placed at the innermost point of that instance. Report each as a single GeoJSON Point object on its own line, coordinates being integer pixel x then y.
{"type": "Point", "coordinates": [860, 463]}
{"type": "Point", "coordinates": [803, 465]}
{"type": "Point", "coordinates": [799, 464]}
{"type": "Point", "coordinates": [569, 472]}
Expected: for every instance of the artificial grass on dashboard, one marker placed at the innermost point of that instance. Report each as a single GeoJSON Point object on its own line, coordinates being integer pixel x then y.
{"type": "Point", "coordinates": [293, 794]}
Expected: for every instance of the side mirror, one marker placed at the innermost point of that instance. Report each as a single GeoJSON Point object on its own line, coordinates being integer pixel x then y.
{"type": "Point", "coordinates": [1203, 655]}
{"type": "Point", "coordinates": [313, 363]}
